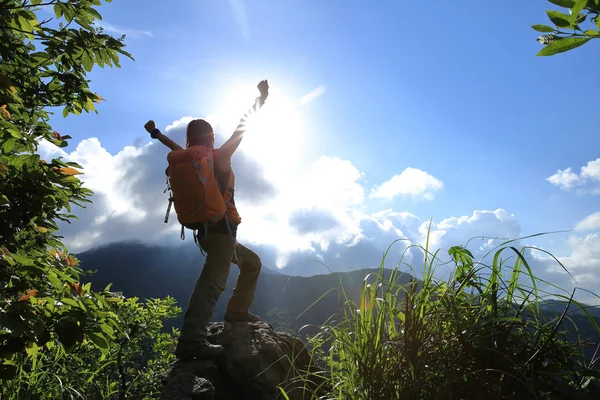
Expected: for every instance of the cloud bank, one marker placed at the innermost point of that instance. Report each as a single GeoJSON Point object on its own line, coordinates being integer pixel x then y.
{"type": "Point", "coordinates": [301, 217]}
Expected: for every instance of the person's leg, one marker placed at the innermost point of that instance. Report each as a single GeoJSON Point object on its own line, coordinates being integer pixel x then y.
{"type": "Point", "coordinates": [249, 264]}
{"type": "Point", "coordinates": [211, 283]}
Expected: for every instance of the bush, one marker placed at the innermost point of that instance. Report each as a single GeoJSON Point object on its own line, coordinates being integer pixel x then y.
{"type": "Point", "coordinates": [130, 366]}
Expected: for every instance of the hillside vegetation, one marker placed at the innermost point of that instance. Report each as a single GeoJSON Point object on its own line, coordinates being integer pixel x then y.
{"type": "Point", "coordinates": [487, 329]}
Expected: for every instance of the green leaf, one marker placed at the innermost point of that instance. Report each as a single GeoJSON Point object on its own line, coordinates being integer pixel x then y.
{"type": "Point", "coordinates": [59, 143]}
{"type": "Point", "coordinates": [580, 19]}
{"type": "Point", "coordinates": [8, 145]}
{"type": "Point", "coordinates": [32, 349]}
{"type": "Point", "coordinates": [9, 260]}
{"type": "Point", "coordinates": [40, 56]}
{"type": "Point", "coordinates": [94, 13]}
{"type": "Point", "coordinates": [54, 281]}
{"type": "Point", "coordinates": [597, 21]}
{"type": "Point", "coordinates": [87, 61]}
{"type": "Point", "coordinates": [36, 2]}
{"type": "Point", "coordinates": [111, 299]}
{"type": "Point", "coordinates": [24, 23]}
{"type": "Point", "coordinates": [543, 28]}
{"type": "Point", "coordinates": [99, 340]}
{"type": "Point", "coordinates": [559, 19]}
{"type": "Point", "coordinates": [579, 5]}
{"type": "Point", "coordinates": [58, 11]}
{"type": "Point", "coordinates": [70, 302]}
{"type": "Point", "coordinates": [592, 33]}
{"type": "Point", "coordinates": [30, 15]}
{"type": "Point", "coordinates": [26, 261]}
{"type": "Point", "coordinates": [563, 3]}
{"type": "Point", "coordinates": [68, 179]}
{"type": "Point", "coordinates": [563, 45]}
{"type": "Point", "coordinates": [114, 57]}
{"type": "Point", "coordinates": [107, 329]}
{"type": "Point", "coordinates": [15, 133]}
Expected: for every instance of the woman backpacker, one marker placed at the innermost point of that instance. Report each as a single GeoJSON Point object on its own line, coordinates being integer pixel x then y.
{"type": "Point", "coordinates": [202, 184]}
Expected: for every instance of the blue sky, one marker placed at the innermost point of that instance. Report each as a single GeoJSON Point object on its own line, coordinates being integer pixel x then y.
{"type": "Point", "coordinates": [453, 89]}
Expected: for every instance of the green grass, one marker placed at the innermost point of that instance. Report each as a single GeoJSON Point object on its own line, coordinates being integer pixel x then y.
{"type": "Point", "coordinates": [480, 334]}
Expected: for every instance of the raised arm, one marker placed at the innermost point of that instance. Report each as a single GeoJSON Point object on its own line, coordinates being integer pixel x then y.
{"type": "Point", "coordinates": [156, 134]}
{"type": "Point", "coordinates": [231, 145]}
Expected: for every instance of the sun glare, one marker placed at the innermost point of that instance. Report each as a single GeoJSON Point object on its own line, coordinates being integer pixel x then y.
{"type": "Point", "coordinates": [274, 135]}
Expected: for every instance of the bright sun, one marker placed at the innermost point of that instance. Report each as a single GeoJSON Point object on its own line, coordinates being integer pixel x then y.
{"type": "Point", "coordinates": [274, 136]}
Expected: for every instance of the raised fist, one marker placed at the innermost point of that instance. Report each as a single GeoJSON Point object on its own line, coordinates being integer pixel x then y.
{"type": "Point", "coordinates": [150, 126]}
{"type": "Point", "coordinates": [263, 87]}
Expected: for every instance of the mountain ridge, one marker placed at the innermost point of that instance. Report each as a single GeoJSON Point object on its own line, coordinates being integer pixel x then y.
{"type": "Point", "coordinates": [150, 271]}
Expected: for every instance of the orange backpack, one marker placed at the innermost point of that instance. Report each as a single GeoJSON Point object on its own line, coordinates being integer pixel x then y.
{"type": "Point", "coordinates": [195, 191]}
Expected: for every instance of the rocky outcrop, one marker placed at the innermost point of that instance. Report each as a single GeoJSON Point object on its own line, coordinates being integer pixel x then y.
{"type": "Point", "coordinates": [256, 361]}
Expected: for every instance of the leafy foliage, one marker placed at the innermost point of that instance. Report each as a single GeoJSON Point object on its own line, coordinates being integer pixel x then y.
{"type": "Point", "coordinates": [558, 38]}
{"type": "Point", "coordinates": [480, 334]}
{"type": "Point", "coordinates": [44, 309]}
{"type": "Point", "coordinates": [128, 366]}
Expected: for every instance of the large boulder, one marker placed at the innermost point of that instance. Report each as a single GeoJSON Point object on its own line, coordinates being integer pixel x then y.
{"type": "Point", "coordinates": [255, 362]}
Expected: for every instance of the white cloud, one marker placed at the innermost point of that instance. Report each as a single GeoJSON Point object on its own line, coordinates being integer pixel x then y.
{"type": "Point", "coordinates": [587, 180]}
{"type": "Point", "coordinates": [494, 226]}
{"type": "Point", "coordinates": [328, 189]}
{"type": "Point", "coordinates": [589, 223]}
{"type": "Point", "coordinates": [565, 179]}
{"type": "Point", "coordinates": [411, 182]}
{"type": "Point", "coordinates": [582, 262]}
{"type": "Point", "coordinates": [131, 33]}
{"type": "Point", "coordinates": [312, 95]}
{"type": "Point", "coordinates": [180, 124]}
{"type": "Point", "coordinates": [128, 203]}
{"type": "Point", "coordinates": [591, 170]}
{"type": "Point", "coordinates": [238, 8]}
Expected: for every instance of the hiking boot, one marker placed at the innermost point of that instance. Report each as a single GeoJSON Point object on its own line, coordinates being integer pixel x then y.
{"type": "Point", "coordinates": [241, 317]}
{"type": "Point", "coordinates": [188, 350]}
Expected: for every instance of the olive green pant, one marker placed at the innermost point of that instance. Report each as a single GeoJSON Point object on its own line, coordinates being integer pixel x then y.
{"type": "Point", "coordinates": [220, 254]}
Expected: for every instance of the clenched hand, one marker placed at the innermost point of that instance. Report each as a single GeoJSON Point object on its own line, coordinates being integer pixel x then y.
{"type": "Point", "coordinates": [150, 126]}
{"type": "Point", "coordinates": [263, 87]}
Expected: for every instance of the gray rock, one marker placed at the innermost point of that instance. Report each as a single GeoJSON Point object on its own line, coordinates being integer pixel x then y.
{"type": "Point", "coordinates": [255, 362]}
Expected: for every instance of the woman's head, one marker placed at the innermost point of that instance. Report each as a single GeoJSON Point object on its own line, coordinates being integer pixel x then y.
{"type": "Point", "coordinates": [200, 132]}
